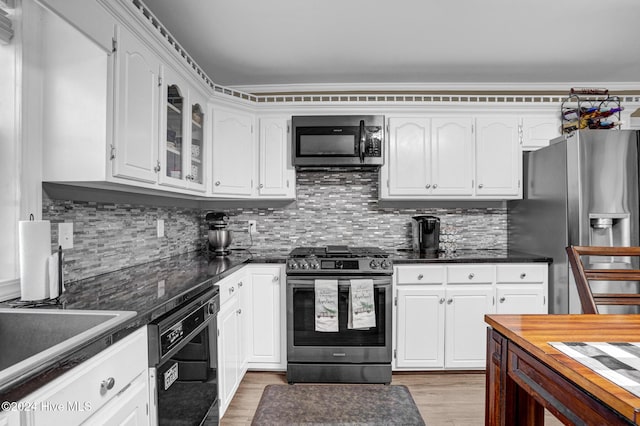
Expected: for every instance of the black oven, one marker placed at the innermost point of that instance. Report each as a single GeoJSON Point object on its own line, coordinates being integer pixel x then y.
{"type": "Point", "coordinates": [348, 355]}
{"type": "Point", "coordinates": [183, 362]}
{"type": "Point", "coordinates": [343, 140]}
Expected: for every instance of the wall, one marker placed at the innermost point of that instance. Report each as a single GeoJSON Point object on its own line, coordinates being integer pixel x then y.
{"type": "Point", "coordinates": [341, 207]}
{"type": "Point", "coordinates": [332, 207]}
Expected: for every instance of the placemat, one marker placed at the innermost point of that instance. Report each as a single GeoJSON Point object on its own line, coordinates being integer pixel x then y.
{"type": "Point", "coordinates": [618, 362]}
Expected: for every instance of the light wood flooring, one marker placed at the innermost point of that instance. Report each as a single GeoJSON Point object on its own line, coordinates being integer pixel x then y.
{"type": "Point", "coordinates": [444, 399]}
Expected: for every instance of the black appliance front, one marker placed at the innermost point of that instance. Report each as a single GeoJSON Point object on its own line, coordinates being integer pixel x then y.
{"type": "Point", "coordinates": [338, 140]}
{"type": "Point", "coordinates": [346, 356]}
{"type": "Point", "coordinates": [183, 361]}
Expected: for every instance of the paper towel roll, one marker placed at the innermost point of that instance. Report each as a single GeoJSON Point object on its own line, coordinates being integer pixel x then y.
{"type": "Point", "coordinates": [34, 239]}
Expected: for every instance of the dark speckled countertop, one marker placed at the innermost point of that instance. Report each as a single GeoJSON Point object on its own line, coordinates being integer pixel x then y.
{"type": "Point", "coordinates": [156, 287]}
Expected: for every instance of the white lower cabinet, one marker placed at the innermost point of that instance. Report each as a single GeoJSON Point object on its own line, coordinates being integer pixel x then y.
{"type": "Point", "coordinates": [266, 317]}
{"type": "Point", "coordinates": [112, 388]}
{"type": "Point", "coordinates": [440, 309]}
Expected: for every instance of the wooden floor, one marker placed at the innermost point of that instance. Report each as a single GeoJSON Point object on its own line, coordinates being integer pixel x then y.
{"type": "Point", "coordinates": [444, 399]}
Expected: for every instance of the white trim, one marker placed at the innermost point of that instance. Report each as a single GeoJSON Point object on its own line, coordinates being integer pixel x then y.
{"type": "Point", "coordinates": [9, 290]}
{"type": "Point", "coordinates": [430, 87]}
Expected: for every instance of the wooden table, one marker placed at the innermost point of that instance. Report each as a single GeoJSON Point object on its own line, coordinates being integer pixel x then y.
{"type": "Point", "coordinates": [525, 374]}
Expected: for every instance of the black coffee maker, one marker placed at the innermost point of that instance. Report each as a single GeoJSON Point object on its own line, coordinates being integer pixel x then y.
{"type": "Point", "coordinates": [426, 234]}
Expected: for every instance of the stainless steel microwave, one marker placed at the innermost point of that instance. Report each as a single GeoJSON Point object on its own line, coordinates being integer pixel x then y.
{"type": "Point", "coordinates": [338, 140]}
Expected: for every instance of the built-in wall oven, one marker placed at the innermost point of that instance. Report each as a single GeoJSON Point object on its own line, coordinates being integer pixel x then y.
{"type": "Point", "coordinates": [348, 354]}
{"type": "Point", "coordinates": [183, 361]}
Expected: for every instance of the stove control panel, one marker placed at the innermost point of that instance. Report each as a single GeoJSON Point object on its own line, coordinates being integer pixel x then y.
{"type": "Point", "coordinates": [312, 265]}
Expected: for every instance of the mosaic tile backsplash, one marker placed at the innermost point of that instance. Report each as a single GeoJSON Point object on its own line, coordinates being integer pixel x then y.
{"type": "Point", "coordinates": [332, 207]}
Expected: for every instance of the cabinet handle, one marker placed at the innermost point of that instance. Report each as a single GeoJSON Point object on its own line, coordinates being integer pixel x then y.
{"type": "Point", "coordinates": [523, 275]}
{"type": "Point", "coordinates": [157, 168]}
{"type": "Point", "coordinates": [502, 299]}
{"type": "Point", "coordinates": [450, 301]}
{"type": "Point", "coordinates": [435, 185]}
{"type": "Point", "coordinates": [428, 186]}
{"type": "Point", "coordinates": [480, 186]}
{"type": "Point", "coordinates": [260, 186]}
{"type": "Point", "coordinates": [420, 276]}
{"type": "Point", "coordinates": [231, 290]}
{"type": "Point", "coordinates": [276, 279]}
{"type": "Point", "coordinates": [471, 275]}
{"type": "Point", "coordinates": [217, 183]}
{"type": "Point", "coordinates": [239, 311]}
{"type": "Point", "coordinates": [107, 385]}
{"type": "Point", "coordinates": [240, 284]}
{"type": "Point", "coordinates": [442, 300]}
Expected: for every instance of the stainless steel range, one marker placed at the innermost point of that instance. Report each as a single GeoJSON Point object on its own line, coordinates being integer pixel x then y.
{"type": "Point", "coordinates": [339, 315]}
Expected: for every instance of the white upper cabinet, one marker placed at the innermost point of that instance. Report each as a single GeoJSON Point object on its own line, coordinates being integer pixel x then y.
{"type": "Point", "coordinates": [406, 171]}
{"type": "Point", "coordinates": [498, 158]}
{"type": "Point", "coordinates": [275, 172]}
{"type": "Point", "coordinates": [135, 141]}
{"type": "Point", "coordinates": [233, 153]}
{"type": "Point", "coordinates": [537, 131]}
{"type": "Point", "coordinates": [452, 156]}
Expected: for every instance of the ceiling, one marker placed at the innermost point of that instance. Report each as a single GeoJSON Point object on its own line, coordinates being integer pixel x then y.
{"type": "Point", "coordinates": [410, 43]}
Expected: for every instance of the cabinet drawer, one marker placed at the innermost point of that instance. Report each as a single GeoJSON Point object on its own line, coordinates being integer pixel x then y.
{"type": "Point", "coordinates": [83, 390]}
{"type": "Point", "coordinates": [470, 274]}
{"type": "Point", "coordinates": [521, 273]}
{"type": "Point", "coordinates": [231, 286]}
{"type": "Point", "coordinates": [421, 274]}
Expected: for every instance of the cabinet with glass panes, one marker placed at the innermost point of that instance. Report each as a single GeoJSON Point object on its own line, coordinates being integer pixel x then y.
{"type": "Point", "coordinates": [174, 143]}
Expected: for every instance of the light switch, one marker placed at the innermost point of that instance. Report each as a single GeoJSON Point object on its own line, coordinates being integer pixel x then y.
{"type": "Point", "coordinates": [65, 235]}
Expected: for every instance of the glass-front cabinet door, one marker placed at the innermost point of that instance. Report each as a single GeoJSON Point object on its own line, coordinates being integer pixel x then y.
{"type": "Point", "coordinates": [195, 173]}
{"type": "Point", "coordinates": [174, 147]}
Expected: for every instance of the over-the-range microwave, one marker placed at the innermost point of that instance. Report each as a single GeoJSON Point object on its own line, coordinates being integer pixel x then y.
{"type": "Point", "coordinates": [338, 140]}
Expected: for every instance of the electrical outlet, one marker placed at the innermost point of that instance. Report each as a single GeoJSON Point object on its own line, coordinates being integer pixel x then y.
{"type": "Point", "coordinates": [65, 235]}
{"type": "Point", "coordinates": [253, 228]}
{"type": "Point", "coordinates": [160, 228]}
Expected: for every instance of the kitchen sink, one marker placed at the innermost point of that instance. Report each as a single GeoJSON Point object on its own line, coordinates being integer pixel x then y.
{"type": "Point", "coordinates": [31, 337]}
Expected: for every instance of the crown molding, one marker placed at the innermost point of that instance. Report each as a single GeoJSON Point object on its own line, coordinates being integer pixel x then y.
{"type": "Point", "coordinates": [432, 88]}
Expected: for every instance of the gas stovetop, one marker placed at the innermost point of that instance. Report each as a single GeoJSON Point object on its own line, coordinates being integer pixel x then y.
{"type": "Point", "coordinates": [338, 260]}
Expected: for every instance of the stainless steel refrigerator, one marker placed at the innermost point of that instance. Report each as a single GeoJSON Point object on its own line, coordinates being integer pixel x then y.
{"type": "Point", "coordinates": [582, 189]}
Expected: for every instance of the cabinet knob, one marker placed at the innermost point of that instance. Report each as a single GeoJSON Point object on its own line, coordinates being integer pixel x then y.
{"type": "Point", "coordinates": [260, 186]}
{"type": "Point", "coordinates": [428, 186]}
{"type": "Point", "coordinates": [450, 301]}
{"type": "Point", "coordinates": [435, 185]}
{"type": "Point", "coordinates": [502, 299]}
{"type": "Point", "coordinates": [240, 284]}
{"type": "Point", "coordinates": [480, 186]}
{"type": "Point", "coordinates": [442, 300]}
{"type": "Point", "coordinates": [420, 276]}
{"type": "Point", "coordinates": [239, 311]}
{"type": "Point", "coordinates": [217, 183]}
{"type": "Point", "coordinates": [107, 385]}
{"type": "Point", "coordinates": [471, 275]}
{"type": "Point", "coordinates": [231, 290]}
{"type": "Point", "coordinates": [523, 275]}
{"type": "Point", "coordinates": [276, 279]}
{"type": "Point", "coordinates": [157, 168]}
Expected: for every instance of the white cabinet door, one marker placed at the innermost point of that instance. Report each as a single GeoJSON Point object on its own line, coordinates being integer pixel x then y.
{"type": "Point", "coordinates": [175, 133]}
{"type": "Point", "coordinates": [408, 169]}
{"type": "Point", "coordinates": [264, 331]}
{"type": "Point", "coordinates": [233, 149]}
{"type": "Point", "coordinates": [498, 158]}
{"type": "Point", "coordinates": [538, 131]}
{"type": "Point", "coordinates": [228, 352]}
{"type": "Point", "coordinates": [128, 408]}
{"type": "Point", "coordinates": [452, 156]}
{"type": "Point", "coordinates": [465, 331]}
{"type": "Point", "coordinates": [276, 174]}
{"type": "Point", "coordinates": [420, 327]}
{"type": "Point", "coordinates": [135, 139]}
{"type": "Point", "coordinates": [520, 299]}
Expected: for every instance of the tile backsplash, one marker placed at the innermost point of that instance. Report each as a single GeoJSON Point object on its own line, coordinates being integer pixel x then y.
{"type": "Point", "coordinates": [332, 207]}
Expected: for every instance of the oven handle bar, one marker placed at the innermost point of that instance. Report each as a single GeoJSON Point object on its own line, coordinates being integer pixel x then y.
{"type": "Point", "coordinates": [310, 281]}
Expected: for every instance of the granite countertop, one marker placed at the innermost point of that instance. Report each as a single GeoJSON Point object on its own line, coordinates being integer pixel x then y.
{"type": "Point", "coordinates": [408, 256]}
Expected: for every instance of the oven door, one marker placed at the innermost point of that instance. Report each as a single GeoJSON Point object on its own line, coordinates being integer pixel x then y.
{"type": "Point", "coordinates": [305, 344]}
